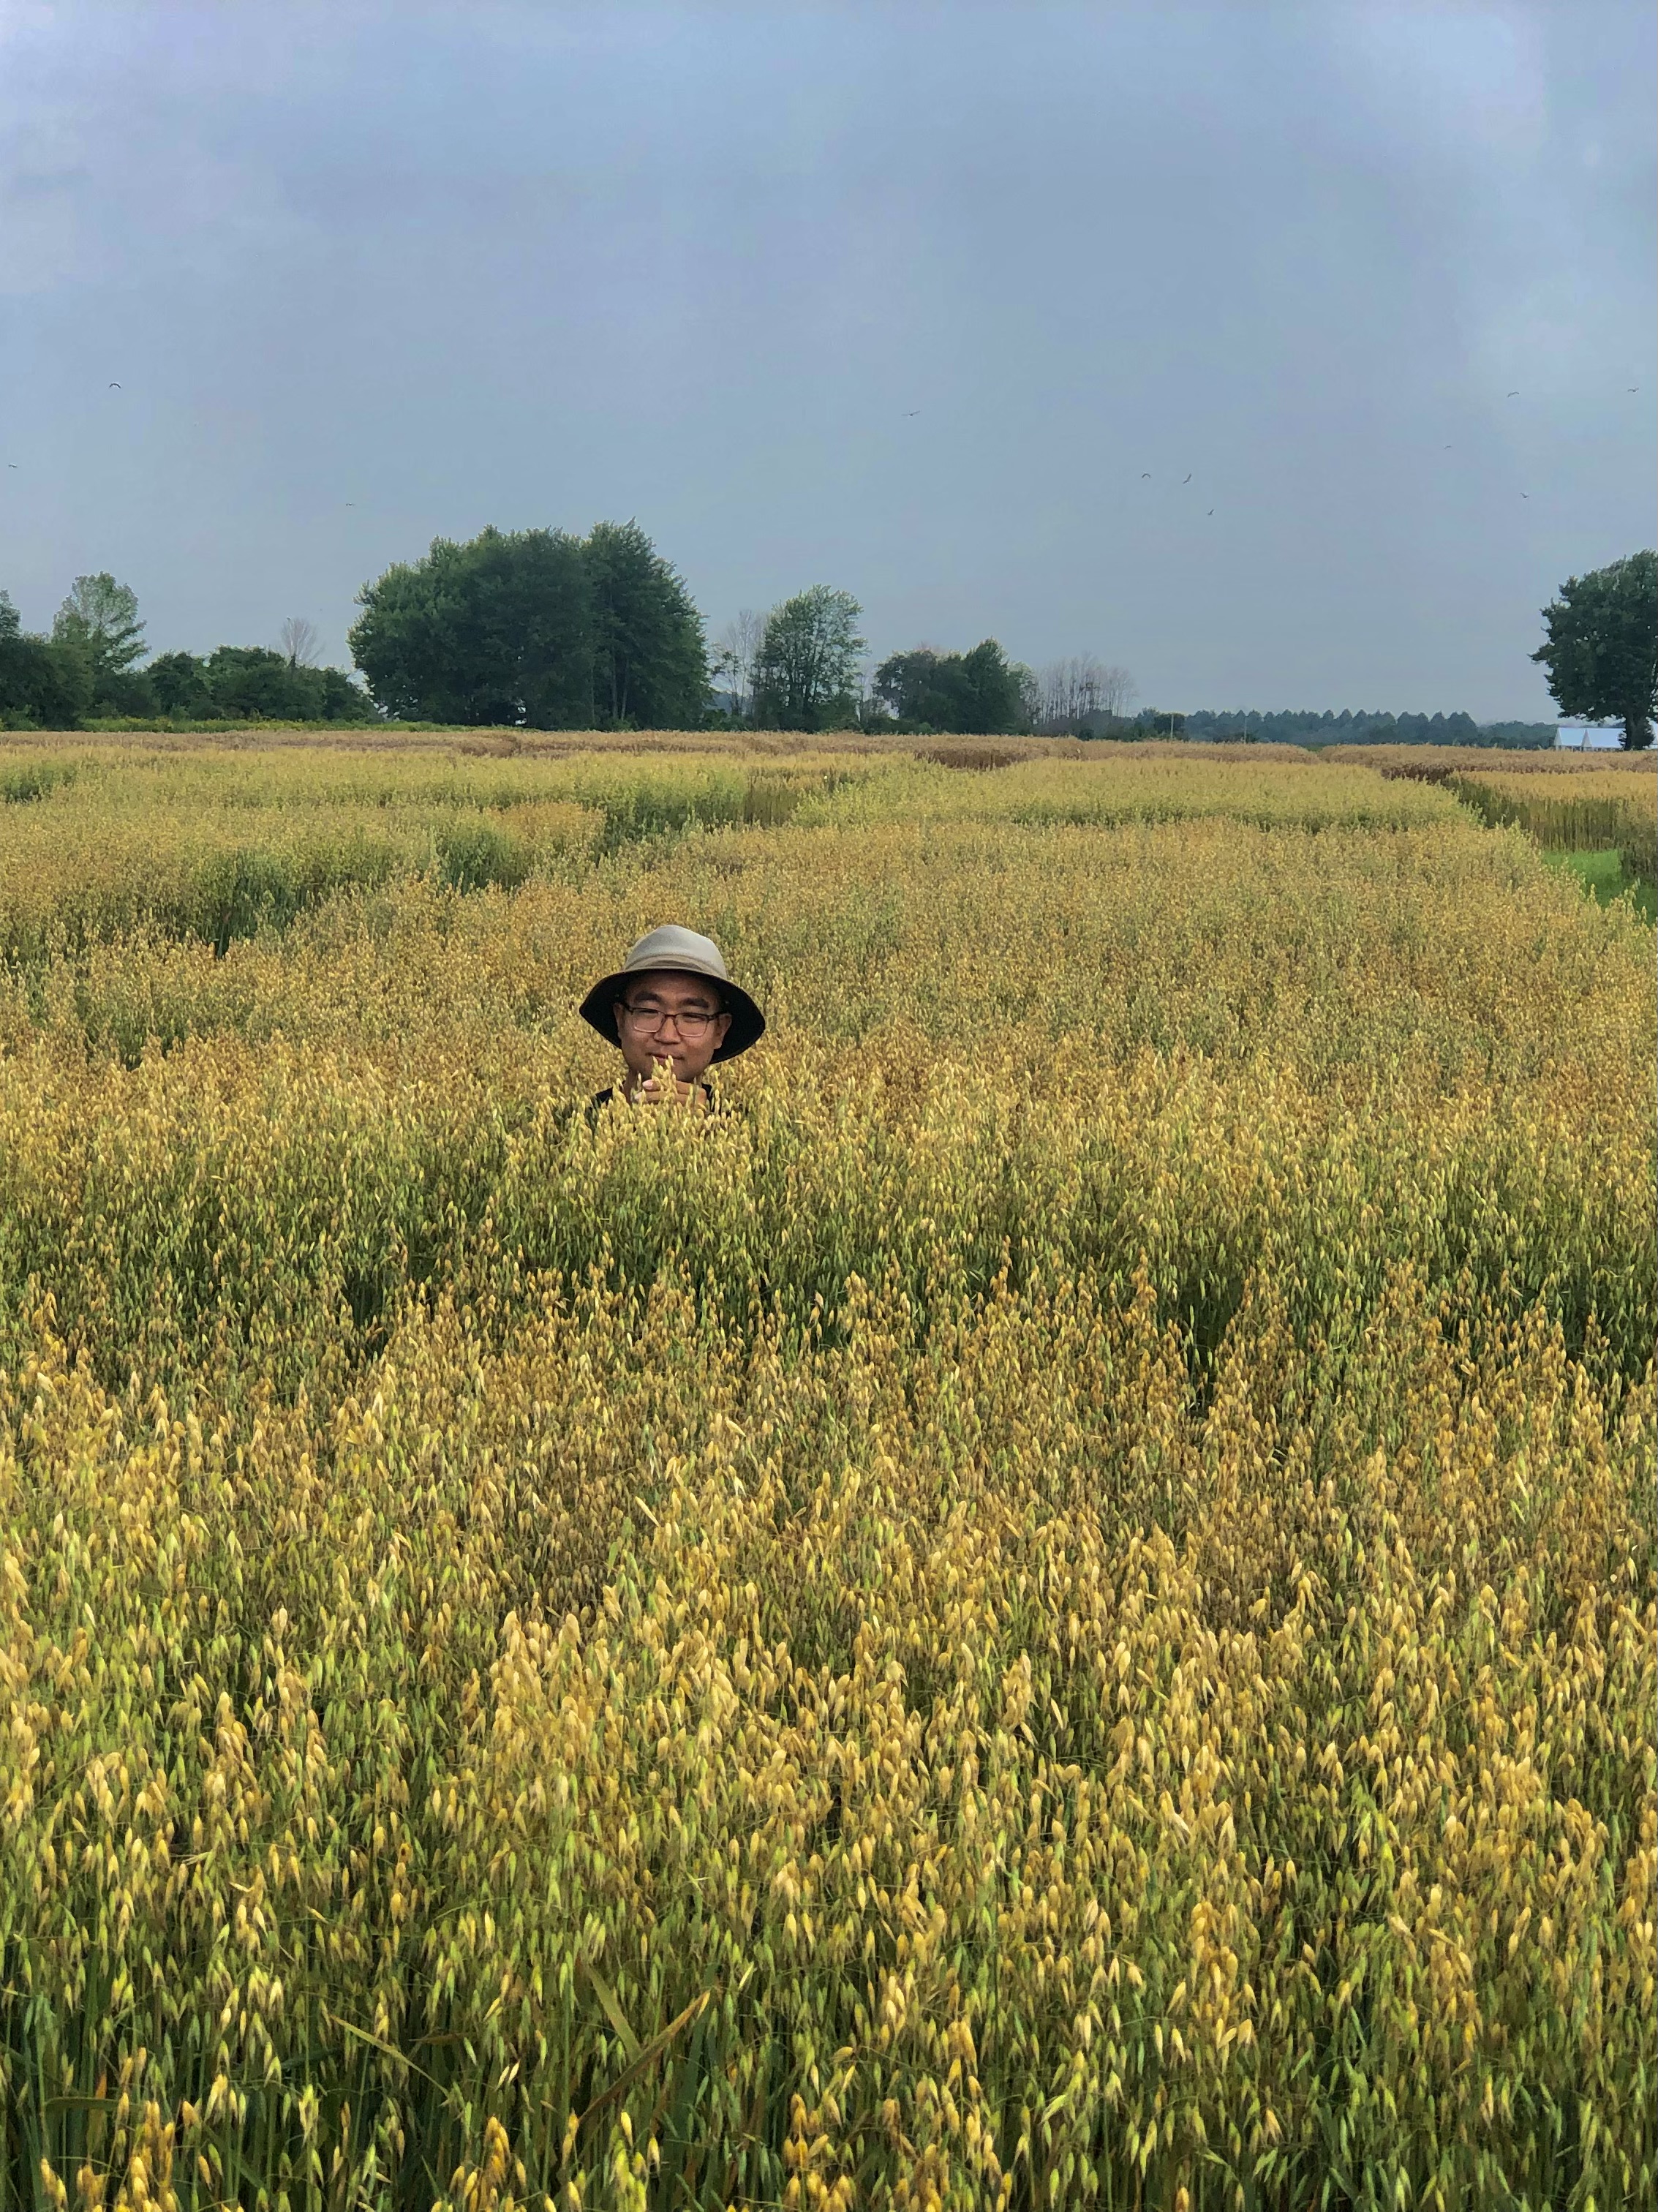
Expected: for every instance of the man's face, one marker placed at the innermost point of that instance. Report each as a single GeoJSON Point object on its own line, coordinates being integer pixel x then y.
{"type": "Point", "coordinates": [663, 1016]}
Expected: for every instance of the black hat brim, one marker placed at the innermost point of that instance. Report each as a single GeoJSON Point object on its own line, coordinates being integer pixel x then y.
{"type": "Point", "coordinates": [748, 1022]}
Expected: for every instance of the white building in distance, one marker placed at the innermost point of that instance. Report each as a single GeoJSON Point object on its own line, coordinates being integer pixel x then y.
{"type": "Point", "coordinates": [1589, 737]}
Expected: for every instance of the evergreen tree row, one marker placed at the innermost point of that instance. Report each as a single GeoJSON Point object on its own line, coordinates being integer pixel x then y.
{"type": "Point", "coordinates": [1360, 727]}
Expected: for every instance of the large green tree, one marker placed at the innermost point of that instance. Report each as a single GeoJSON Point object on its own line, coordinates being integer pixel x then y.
{"type": "Point", "coordinates": [650, 659]}
{"type": "Point", "coordinates": [805, 674]}
{"type": "Point", "coordinates": [1601, 649]}
{"type": "Point", "coordinates": [44, 685]}
{"type": "Point", "coordinates": [977, 692]}
{"type": "Point", "coordinates": [497, 630]}
{"type": "Point", "coordinates": [99, 621]}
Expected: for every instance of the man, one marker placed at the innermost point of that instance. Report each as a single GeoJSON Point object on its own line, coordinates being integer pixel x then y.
{"type": "Point", "coordinates": [675, 1012]}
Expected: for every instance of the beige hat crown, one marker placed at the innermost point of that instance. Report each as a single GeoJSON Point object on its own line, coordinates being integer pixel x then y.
{"type": "Point", "coordinates": [681, 949]}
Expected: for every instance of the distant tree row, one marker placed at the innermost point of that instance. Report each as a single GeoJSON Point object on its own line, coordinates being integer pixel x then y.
{"type": "Point", "coordinates": [1082, 697]}
{"type": "Point", "coordinates": [545, 631]}
{"type": "Point", "coordinates": [543, 628]}
{"type": "Point", "coordinates": [798, 667]}
{"type": "Point", "coordinates": [253, 683]}
{"type": "Point", "coordinates": [1362, 727]}
{"type": "Point", "coordinates": [87, 670]}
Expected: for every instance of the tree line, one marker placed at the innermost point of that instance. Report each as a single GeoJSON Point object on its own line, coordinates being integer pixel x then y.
{"type": "Point", "coordinates": [1359, 725]}
{"type": "Point", "coordinates": [543, 629]}
{"type": "Point", "coordinates": [87, 669]}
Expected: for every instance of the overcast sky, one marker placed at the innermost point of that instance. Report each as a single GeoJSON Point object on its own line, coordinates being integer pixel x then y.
{"type": "Point", "coordinates": [940, 304]}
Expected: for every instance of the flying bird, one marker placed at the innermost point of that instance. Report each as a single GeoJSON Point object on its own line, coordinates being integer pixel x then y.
{"type": "Point", "coordinates": [1145, 476]}
{"type": "Point", "coordinates": [910, 413]}
{"type": "Point", "coordinates": [1634, 387]}
{"type": "Point", "coordinates": [114, 387]}
{"type": "Point", "coordinates": [1211, 511]}
{"type": "Point", "coordinates": [1512, 395]}
{"type": "Point", "coordinates": [1186, 478]}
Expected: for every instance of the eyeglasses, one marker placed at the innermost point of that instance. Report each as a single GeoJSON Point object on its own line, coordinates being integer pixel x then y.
{"type": "Point", "coordinates": [692, 1022]}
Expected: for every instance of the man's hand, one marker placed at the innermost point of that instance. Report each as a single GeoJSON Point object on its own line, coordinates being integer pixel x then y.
{"type": "Point", "coordinates": [662, 1087]}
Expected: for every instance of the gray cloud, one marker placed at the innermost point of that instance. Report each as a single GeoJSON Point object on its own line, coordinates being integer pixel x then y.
{"type": "Point", "coordinates": [367, 274]}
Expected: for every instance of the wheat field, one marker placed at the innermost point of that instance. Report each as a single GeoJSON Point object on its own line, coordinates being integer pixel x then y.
{"type": "Point", "coordinates": [1056, 1609]}
{"type": "Point", "coordinates": [1586, 812]}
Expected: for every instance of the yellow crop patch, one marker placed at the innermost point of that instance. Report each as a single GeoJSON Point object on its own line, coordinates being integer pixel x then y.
{"type": "Point", "coordinates": [1056, 1607]}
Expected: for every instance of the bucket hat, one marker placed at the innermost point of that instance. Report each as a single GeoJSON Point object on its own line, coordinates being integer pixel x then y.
{"type": "Point", "coordinates": [686, 953]}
